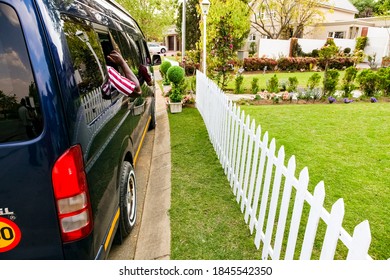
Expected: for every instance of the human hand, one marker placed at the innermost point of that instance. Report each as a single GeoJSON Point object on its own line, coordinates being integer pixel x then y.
{"type": "Point", "coordinates": [116, 58]}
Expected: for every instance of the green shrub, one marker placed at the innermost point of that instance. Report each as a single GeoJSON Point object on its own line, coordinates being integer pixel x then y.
{"type": "Point", "coordinates": [238, 84]}
{"type": "Point", "coordinates": [331, 79]}
{"type": "Point", "coordinates": [361, 43]}
{"type": "Point", "coordinates": [347, 51]}
{"type": "Point", "coordinates": [368, 81]}
{"type": "Point", "coordinates": [314, 81]}
{"type": "Point", "coordinates": [273, 84]}
{"type": "Point", "coordinates": [175, 95]}
{"type": "Point", "coordinates": [165, 66]}
{"type": "Point", "coordinates": [292, 84]}
{"type": "Point", "coordinates": [348, 80]}
{"type": "Point", "coordinates": [175, 74]}
{"type": "Point", "coordinates": [255, 85]}
{"type": "Point", "coordinates": [384, 80]}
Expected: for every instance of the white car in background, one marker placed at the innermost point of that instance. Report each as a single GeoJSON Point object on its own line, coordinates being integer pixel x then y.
{"type": "Point", "coordinates": [156, 48]}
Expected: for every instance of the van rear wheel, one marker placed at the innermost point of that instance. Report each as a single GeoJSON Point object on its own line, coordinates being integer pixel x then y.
{"type": "Point", "coordinates": [127, 200]}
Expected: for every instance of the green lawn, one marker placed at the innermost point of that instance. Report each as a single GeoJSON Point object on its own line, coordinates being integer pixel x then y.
{"type": "Point", "coordinates": [206, 222]}
{"type": "Point", "coordinates": [346, 145]}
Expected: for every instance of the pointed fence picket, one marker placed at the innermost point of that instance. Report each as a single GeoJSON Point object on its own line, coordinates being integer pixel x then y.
{"type": "Point", "coordinates": [271, 198]}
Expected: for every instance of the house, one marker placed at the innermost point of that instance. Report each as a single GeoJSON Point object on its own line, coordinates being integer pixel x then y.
{"type": "Point", "coordinates": [336, 17]}
{"type": "Point", "coordinates": [339, 23]}
{"type": "Point", "coordinates": [172, 40]}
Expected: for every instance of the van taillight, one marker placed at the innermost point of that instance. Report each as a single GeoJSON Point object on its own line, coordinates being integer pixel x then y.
{"type": "Point", "coordinates": [72, 196]}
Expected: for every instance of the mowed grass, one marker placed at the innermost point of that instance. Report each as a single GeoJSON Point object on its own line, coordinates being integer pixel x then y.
{"type": "Point", "coordinates": [206, 222]}
{"type": "Point", "coordinates": [348, 147]}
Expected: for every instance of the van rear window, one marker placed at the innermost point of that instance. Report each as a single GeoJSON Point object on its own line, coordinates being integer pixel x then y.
{"type": "Point", "coordinates": [20, 115]}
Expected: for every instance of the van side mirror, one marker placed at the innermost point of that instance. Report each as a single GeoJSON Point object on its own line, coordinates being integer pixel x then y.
{"type": "Point", "coordinates": [156, 59]}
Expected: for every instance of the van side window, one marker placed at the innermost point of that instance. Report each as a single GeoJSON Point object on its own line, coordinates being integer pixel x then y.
{"type": "Point", "coordinates": [20, 113]}
{"type": "Point", "coordinates": [129, 50]}
{"type": "Point", "coordinates": [87, 57]}
{"type": "Point", "coordinates": [89, 65]}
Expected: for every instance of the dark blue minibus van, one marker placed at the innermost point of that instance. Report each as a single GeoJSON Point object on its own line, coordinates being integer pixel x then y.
{"type": "Point", "coordinates": [68, 151]}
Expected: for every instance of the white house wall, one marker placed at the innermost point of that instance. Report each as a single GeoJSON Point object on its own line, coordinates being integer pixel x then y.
{"type": "Point", "coordinates": [378, 42]}
{"type": "Point", "coordinates": [274, 48]}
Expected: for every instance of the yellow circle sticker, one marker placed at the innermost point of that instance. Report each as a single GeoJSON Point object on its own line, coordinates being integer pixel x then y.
{"type": "Point", "coordinates": [10, 235]}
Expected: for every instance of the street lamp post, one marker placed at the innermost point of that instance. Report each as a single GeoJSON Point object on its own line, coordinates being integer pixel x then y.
{"type": "Point", "coordinates": [205, 9]}
{"type": "Point", "coordinates": [183, 32]}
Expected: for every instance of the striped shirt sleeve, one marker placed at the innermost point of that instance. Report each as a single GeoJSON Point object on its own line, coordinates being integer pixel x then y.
{"type": "Point", "coordinates": [122, 84]}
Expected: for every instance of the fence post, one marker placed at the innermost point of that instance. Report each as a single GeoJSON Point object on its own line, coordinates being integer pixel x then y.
{"type": "Point", "coordinates": [312, 223]}
{"type": "Point", "coordinates": [361, 240]}
{"type": "Point", "coordinates": [333, 230]}
{"type": "Point", "coordinates": [265, 194]}
{"type": "Point", "coordinates": [290, 175]}
{"type": "Point", "coordinates": [297, 213]}
{"type": "Point", "coordinates": [259, 180]}
{"type": "Point", "coordinates": [274, 202]}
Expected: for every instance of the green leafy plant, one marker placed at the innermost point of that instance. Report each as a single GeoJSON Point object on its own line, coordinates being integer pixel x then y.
{"type": "Point", "coordinates": [292, 84]}
{"type": "Point", "coordinates": [368, 81]}
{"type": "Point", "coordinates": [238, 83]}
{"type": "Point", "coordinates": [175, 74]}
{"type": "Point", "coordinates": [255, 85]}
{"type": "Point", "coordinates": [273, 84]}
{"type": "Point", "coordinates": [175, 95]}
{"type": "Point", "coordinates": [164, 67]}
{"type": "Point", "coordinates": [314, 81]}
{"type": "Point", "coordinates": [384, 80]}
{"type": "Point", "coordinates": [252, 49]}
{"type": "Point", "coordinates": [331, 80]}
{"type": "Point", "coordinates": [348, 80]}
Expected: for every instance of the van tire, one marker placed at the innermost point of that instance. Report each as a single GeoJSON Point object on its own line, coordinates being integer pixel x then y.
{"type": "Point", "coordinates": [127, 200]}
{"type": "Point", "coordinates": [152, 124]}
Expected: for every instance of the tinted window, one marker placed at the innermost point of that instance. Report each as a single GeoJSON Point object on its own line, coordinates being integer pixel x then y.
{"type": "Point", "coordinates": [129, 50]}
{"type": "Point", "coordinates": [89, 65]}
{"type": "Point", "coordinates": [87, 57]}
{"type": "Point", "coordinates": [20, 114]}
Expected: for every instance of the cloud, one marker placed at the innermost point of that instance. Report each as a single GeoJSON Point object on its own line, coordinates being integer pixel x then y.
{"type": "Point", "coordinates": [10, 58]}
{"type": "Point", "coordinates": [14, 86]}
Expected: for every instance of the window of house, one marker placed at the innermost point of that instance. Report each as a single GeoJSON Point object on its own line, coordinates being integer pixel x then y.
{"type": "Point", "coordinates": [336, 34]}
{"type": "Point", "coordinates": [20, 112]}
{"type": "Point", "coordinates": [266, 13]}
{"type": "Point", "coordinates": [339, 34]}
{"type": "Point", "coordinates": [252, 37]}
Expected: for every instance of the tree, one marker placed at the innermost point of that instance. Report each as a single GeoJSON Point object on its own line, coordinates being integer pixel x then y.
{"type": "Point", "coordinates": [193, 18]}
{"type": "Point", "coordinates": [284, 19]}
{"type": "Point", "coordinates": [382, 7]}
{"type": "Point", "coordinates": [370, 8]}
{"type": "Point", "coordinates": [365, 7]}
{"type": "Point", "coordinates": [7, 102]}
{"type": "Point", "coordinates": [227, 28]}
{"type": "Point", "coordinates": [153, 16]}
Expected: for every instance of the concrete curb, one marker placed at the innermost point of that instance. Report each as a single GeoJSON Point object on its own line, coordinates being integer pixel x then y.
{"type": "Point", "coordinates": [155, 236]}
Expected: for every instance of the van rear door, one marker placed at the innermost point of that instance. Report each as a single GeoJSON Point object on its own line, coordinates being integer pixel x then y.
{"type": "Point", "coordinates": [32, 137]}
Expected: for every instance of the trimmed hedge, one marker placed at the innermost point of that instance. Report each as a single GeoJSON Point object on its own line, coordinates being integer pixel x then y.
{"type": "Point", "coordinates": [295, 63]}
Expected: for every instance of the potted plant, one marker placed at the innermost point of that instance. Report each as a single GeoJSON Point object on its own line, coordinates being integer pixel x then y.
{"type": "Point", "coordinates": [175, 101]}
{"type": "Point", "coordinates": [139, 105]}
{"type": "Point", "coordinates": [175, 75]}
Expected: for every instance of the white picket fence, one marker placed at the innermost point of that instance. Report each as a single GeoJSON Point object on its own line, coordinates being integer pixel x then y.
{"type": "Point", "coordinates": [265, 187]}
